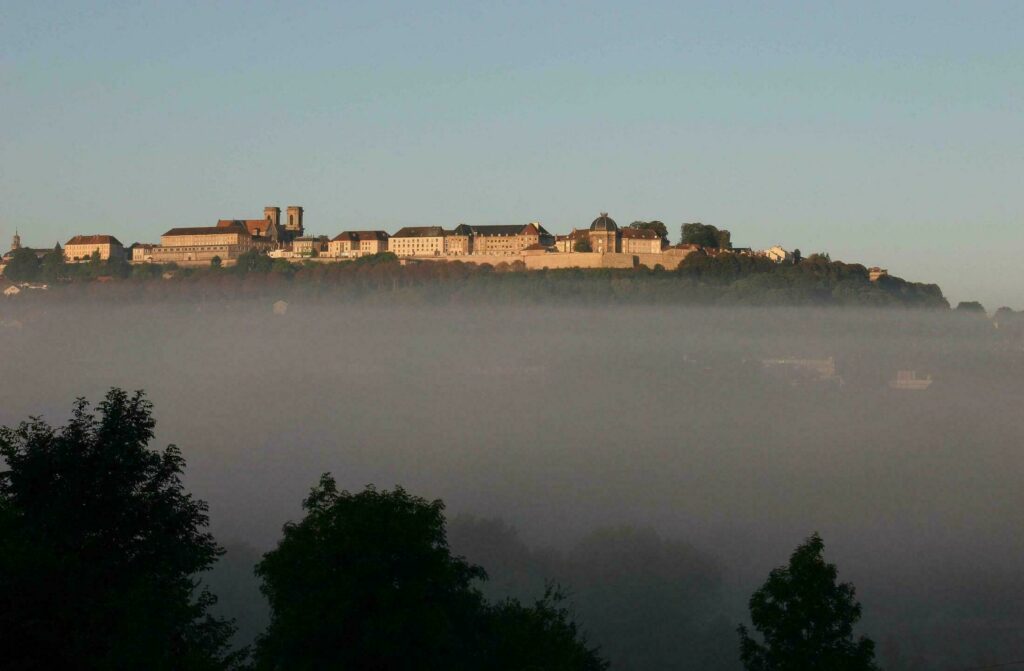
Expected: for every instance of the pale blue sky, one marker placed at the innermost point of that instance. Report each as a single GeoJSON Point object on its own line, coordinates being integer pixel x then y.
{"type": "Point", "coordinates": [884, 133]}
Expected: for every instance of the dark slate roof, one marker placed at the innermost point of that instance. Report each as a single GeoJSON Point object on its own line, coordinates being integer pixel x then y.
{"type": "Point", "coordinates": [369, 235]}
{"type": "Point", "coordinates": [420, 232]}
{"type": "Point", "coordinates": [209, 230]}
{"type": "Point", "coordinates": [604, 223]}
{"type": "Point", "coordinates": [644, 233]}
{"type": "Point", "coordinates": [503, 229]}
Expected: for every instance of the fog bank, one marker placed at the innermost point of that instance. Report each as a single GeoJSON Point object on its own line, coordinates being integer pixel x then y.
{"type": "Point", "coordinates": [693, 438]}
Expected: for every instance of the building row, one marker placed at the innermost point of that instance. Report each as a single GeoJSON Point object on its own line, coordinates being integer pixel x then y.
{"type": "Point", "coordinates": [603, 244]}
{"type": "Point", "coordinates": [233, 237]}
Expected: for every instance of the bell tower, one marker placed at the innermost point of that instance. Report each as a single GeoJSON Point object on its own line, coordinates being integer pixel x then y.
{"type": "Point", "coordinates": [16, 241]}
{"type": "Point", "coordinates": [294, 222]}
{"type": "Point", "coordinates": [273, 215]}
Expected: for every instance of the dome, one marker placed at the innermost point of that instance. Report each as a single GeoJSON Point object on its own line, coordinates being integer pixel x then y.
{"type": "Point", "coordinates": [604, 223]}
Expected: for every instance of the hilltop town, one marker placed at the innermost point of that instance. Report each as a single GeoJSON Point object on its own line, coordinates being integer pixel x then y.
{"type": "Point", "coordinates": [602, 244]}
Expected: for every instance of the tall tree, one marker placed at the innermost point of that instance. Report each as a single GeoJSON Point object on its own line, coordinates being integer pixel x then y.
{"type": "Point", "coordinates": [99, 547]}
{"type": "Point", "coordinates": [23, 266]}
{"type": "Point", "coordinates": [706, 235]}
{"type": "Point", "coordinates": [805, 619]}
{"type": "Point", "coordinates": [52, 267]}
{"type": "Point", "coordinates": [583, 245]}
{"type": "Point", "coordinates": [970, 307]}
{"type": "Point", "coordinates": [367, 581]}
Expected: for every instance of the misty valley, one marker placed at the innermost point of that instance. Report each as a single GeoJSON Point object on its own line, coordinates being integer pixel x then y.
{"type": "Point", "coordinates": [655, 463]}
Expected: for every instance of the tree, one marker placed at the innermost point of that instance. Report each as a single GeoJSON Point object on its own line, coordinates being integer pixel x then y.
{"type": "Point", "coordinates": [215, 262]}
{"type": "Point", "coordinates": [23, 266]}
{"type": "Point", "coordinates": [367, 581]}
{"type": "Point", "coordinates": [99, 544]}
{"type": "Point", "coordinates": [651, 601]}
{"type": "Point", "coordinates": [806, 619]}
{"type": "Point", "coordinates": [253, 261]}
{"type": "Point", "coordinates": [706, 236]}
{"type": "Point", "coordinates": [658, 227]}
{"type": "Point", "coordinates": [541, 636]}
{"type": "Point", "coordinates": [52, 267]}
{"type": "Point", "coordinates": [970, 307]}
{"type": "Point", "coordinates": [118, 266]}
{"type": "Point", "coordinates": [583, 245]}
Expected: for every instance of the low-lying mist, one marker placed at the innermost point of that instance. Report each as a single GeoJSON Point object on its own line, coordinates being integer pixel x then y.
{"type": "Point", "coordinates": [656, 462]}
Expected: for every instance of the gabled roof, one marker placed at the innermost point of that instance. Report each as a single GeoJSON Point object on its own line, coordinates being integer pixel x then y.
{"type": "Point", "coordinates": [255, 227]}
{"type": "Point", "coordinates": [142, 245]}
{"type": "Point", "coordinates": [94, 240]}
{"type": "Point", "coordinates": [369, 235]}
{"type": "Point", "coordinates": [234, 227]}
{"type": "Point", "coordinates": [420, 232]}
{"type": "Point", "coordinates": [642, 233]}
{"type": "Point", "coordinates": [503, 229]}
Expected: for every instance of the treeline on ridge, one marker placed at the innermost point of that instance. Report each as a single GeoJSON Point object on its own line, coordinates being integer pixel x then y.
{"type": "Point", "coordinates": [724, 278]}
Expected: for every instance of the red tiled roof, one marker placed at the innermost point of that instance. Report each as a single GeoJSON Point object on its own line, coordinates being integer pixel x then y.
{"type": "Point", "coordinates": [256, 227]}
{"type": "Point", "coordinates": [94, 240]}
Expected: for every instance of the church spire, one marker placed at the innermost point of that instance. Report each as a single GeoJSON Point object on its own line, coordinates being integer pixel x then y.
{"type": "Point", "coordinates": [16, 242]}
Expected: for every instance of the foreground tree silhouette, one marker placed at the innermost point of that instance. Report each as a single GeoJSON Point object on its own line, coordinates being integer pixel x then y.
{"type": "Point", "coordinates": [367, 581]}
{"type": "Point", "coordinates": [98, 546]}
{"type": "Point", "coordinates": [805, 619]}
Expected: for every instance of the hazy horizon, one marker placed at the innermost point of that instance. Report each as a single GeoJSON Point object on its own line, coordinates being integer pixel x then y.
{"type": "Point", "coordinates": [885, 135]}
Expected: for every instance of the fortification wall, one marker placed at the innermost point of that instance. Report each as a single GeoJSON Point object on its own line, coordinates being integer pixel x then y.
{"type": "Point", "coordinates": [578, 260]}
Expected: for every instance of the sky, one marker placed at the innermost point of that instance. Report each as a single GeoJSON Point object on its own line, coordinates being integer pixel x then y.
{"type": "Point", "coordinates": [888, 134]}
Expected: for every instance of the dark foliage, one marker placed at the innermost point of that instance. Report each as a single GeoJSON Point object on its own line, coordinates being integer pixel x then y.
{"type": "Point", "coordinates": [23, 266]}
{"type": "Point", "coordinates": [970, 307]}
{"type": "Point", "coordinates": [805, 619]}
{"type": "Point", "coordinates": [706, 235]}
{"type": "Point", "coordinates": [99, 543]}
{"type": "Point", "coordinates": [367, 581]}
{"type": "Point", "coordinates": [650, 602]}
{"type": "Point", "coordinates": [253, 262]}
{"type": "Point", "coordinates": [722, 279]}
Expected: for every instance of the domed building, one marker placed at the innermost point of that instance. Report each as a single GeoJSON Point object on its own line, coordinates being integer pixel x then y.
{"type": "Point", "coordinates": [604, 235]}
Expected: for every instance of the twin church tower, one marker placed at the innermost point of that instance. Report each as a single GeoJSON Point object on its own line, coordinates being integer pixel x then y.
{"type": "Point", "coordinates": [292, 224]}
